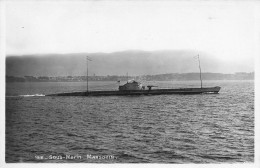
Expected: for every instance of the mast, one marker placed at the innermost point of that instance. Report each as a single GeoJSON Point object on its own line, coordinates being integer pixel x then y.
{"type": "Point", "coordinates": [200, 71]}
{"type": "Point", "coordinates": [87, 59]}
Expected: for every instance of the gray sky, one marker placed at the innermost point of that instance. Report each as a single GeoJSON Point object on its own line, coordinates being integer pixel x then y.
{"type": "Point", "coordinates": [226, 30]}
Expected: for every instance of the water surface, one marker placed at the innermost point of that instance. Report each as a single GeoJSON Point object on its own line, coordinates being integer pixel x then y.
{"type": "Point", "coordinates": [206, 128]}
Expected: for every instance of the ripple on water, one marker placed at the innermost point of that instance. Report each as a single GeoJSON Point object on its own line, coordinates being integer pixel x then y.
{"type": "Point", "coordinates": [136, 129]}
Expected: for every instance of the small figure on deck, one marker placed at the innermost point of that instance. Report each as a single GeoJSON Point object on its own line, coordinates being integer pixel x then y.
{"type": "Point", "coordinates": [150, 87]}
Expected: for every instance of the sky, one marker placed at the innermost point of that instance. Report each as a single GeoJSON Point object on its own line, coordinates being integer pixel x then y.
{"type": "Point", "coordinates": [227, 30]}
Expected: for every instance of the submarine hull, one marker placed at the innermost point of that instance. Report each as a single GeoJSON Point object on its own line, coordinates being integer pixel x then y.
{"type": "Point", "coordinates": [213, 90]}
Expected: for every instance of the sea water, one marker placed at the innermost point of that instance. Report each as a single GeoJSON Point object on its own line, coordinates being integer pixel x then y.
{"type": "Point", "coordinates": [204, 128]}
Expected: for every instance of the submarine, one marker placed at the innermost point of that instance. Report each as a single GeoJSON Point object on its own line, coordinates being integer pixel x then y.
{"type": "Point", "coordinates": [136, 88]}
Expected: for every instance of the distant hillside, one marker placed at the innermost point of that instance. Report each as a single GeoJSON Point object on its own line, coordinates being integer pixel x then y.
{"type": "Point", "coordinates": [118, 63]}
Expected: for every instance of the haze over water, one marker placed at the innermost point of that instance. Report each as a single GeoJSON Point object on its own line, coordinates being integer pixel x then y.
{"type": "Point", "coordinates": [207, 128]}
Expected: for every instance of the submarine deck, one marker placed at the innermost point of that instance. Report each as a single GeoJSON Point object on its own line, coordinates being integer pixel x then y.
{"type": "Point", "coordinates": [142, 92]}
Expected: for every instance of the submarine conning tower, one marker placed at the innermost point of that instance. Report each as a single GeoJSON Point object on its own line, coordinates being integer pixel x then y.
{"type": "Point", "coordinates": [131, 85]}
